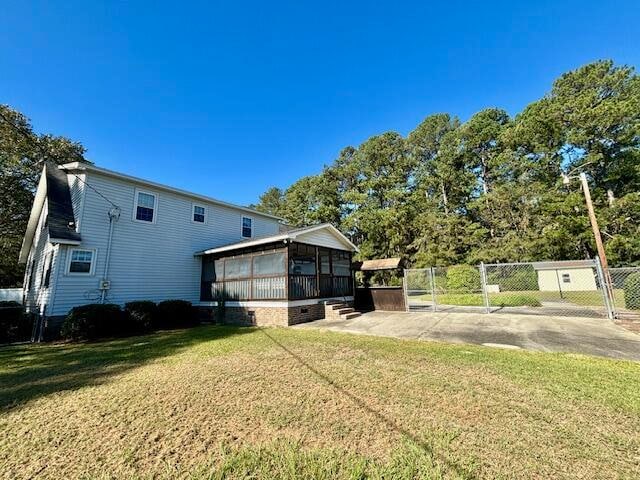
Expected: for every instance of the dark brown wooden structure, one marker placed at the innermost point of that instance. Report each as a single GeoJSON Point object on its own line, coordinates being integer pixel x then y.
{"type": "Point", "coordinates": [389, 298]}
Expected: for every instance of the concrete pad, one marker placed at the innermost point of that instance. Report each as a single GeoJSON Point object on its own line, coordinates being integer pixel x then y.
{"type": "Point", "coordinates": [590, 336]}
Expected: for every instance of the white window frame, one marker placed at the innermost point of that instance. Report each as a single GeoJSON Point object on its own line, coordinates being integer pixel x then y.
{"type": "Point", "coordinates": [242, 217]}
{"type": "Point", "coordinates": [137, 192]}
{"type": "Point", "coordinates": [193, 213]}
{"type": "Point", "coordinates": [92, 269]}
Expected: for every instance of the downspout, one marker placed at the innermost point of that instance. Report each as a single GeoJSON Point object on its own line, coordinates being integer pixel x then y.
{"type": "Point", "coordinates": [114, 215]}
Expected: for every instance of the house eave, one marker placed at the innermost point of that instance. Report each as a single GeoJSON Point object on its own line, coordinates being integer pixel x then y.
{"type": "Point", "coordinates": [293, 235]}
{"type": "Point", "coordinates": [75, 166]}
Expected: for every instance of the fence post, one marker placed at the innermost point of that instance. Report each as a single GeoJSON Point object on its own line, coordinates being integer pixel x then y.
{"type": "Point", "coordinates": [485, 294]}
{"type": "Point", "coordinates": [405, 285]}
{"type": "Point", "coordinates": [609, 303]}
{"type": "Point", "coordinates": [432, 283]}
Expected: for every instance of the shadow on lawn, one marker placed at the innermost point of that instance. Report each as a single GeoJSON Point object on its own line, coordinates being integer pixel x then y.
{"type": "Point", "coordinates": [33, 371]}
{"type": "Point", "coordinates": [460, 470]}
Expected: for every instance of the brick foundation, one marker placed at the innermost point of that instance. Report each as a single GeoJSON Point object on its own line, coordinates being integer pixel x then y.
{"type": "Point", "coordinates": [266, 316]}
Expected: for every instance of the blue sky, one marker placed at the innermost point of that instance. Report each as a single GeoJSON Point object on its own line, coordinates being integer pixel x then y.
{"type": "Point", "coordinates": [229, 98]}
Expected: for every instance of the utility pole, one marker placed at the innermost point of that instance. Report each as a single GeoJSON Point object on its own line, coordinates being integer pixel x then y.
{"type": "Point", "coordinates": [594, 223]}
{"type": "Point", "coordinates": [596, 233]}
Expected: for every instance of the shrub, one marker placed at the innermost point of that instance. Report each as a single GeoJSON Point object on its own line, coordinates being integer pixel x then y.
{"type": "Point", "coordinates": [93, 321]}
{"type": "Point", "coordinates": [15, 325]}
{"type": "Point", "coordinates": [463, 279]}
{"type": "Point", "coordinates": [632, 291]}
{"type": "Point", "coordinates": [141, 316]}
{"type": "Point", "coordinates": [176, 314]}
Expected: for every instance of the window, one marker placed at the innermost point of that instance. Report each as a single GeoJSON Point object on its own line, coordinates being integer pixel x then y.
{"type": "Point", "coordinates": [46, 271]}
{"type": "Point", "coordinates": [566, 278]}
{"type": "Point", "coordinates": [247, 227]}
{"type": "Point", "coordinates": [199, 214]}
{"type": "Point", "coordinates": [81, 262]}
{"type": "Point", "coordinates": [145, 207]}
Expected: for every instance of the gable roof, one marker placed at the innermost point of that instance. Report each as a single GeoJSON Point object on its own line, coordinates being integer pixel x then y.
{"type": "Point", "coordinates": [54, 189]}
{"type": "Point", "coordinates": [122, 176]}
{"type": "Point", "coordinates": [293, 234]}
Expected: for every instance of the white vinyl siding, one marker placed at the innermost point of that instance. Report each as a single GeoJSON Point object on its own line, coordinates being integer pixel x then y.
{"type": "Point", "coordinates": [149, 261]}
{"type": "Point", "coordinates": [322, 238]}
{"type": "Point", "coordinates": [76, 188]}
{"type": "Point", "coordinates": [43, 257]}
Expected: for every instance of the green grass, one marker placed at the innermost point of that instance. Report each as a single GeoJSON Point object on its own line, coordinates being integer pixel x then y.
{"type": "Point", "coordinates": [226, 402]}
{"type": "Point", "coordinates": [529, 298]}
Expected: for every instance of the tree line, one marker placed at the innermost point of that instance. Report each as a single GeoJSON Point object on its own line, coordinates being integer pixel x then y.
{"type": "Point", "coordinates": [22, 155]}
{"type": "Point", "coordinates": [490, 189]}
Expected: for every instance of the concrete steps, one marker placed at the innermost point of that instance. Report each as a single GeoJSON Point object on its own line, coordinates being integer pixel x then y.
{"type": "Point", "coordinates": [336, 310]}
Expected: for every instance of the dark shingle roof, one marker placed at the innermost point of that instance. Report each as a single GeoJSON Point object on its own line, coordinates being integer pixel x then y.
{"type": "Point", "coordinates": [60, 219]}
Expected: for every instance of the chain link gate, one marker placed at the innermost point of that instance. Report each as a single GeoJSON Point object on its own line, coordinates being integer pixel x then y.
{"type": "Point", "coordinates": [567, 288]}
{"type": "Point", "coordinates": [625, 292]}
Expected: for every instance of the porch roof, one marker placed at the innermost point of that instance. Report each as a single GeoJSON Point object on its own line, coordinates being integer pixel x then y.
{"type": "Point", "coordinates": [298, 234]}
{"type": "Point", "coordinates": [379, 264]}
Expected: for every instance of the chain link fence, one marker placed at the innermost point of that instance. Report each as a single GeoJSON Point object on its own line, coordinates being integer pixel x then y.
{"type": "Point", "coordinates": [625, 292]}
{"type": "Point", "coordinates": [568, 288]}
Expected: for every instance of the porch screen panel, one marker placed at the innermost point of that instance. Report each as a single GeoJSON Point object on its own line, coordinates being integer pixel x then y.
{"type": "Point", "coordinates": [342, 282]}
{"type": "Point", "coordinates": [237, 268]}
{"type": "Point", "coordinates": [269, 288]}
{"type": "Point", "coordinates": [302, 272]}
{"type": "Point", "coordinates": [271, 264]}
{"type": "Point", "coordinates": [269, 281]}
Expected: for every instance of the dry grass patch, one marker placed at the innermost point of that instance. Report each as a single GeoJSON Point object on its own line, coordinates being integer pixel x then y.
{"type": "Point", "coordinates": [223, 402]}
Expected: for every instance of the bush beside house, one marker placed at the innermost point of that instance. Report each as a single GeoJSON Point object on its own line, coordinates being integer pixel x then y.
{"type": "Point", "coordinates": [176, 314]}
{"type": "Point", "coordinates": [142, 316]}
{"type": "Point", "coordinates": [95, 321]}
{"type": "Point", "coordinates": [15, 324]}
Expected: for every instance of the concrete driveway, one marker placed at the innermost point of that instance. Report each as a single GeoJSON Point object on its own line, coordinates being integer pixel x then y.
{"type": "Point", "coordinates": [590, 336]}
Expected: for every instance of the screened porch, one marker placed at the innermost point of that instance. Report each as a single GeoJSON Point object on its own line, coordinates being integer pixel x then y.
{"type": "Point", "coordinates": [292, 271]}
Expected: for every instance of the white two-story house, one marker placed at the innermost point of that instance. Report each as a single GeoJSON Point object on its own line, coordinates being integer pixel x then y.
{"type": "Point", "coordinates": [99, 236]}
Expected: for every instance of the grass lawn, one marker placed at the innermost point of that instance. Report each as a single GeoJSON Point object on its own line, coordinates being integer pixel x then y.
{"type": "Point", "coordinates": [226, 402]}
{"type": "Point", "coordinates": [530, 298]}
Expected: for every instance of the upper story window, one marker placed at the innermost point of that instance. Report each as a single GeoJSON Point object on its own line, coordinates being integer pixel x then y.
{"type": "Point", "coordinates": [199, 214]}
{"type": "Point", "coordinates": [81, 262]}
{"type": "Point", "coordinates": [146, 204]}
{"type": "Point", "coordinates": [247, 227]}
